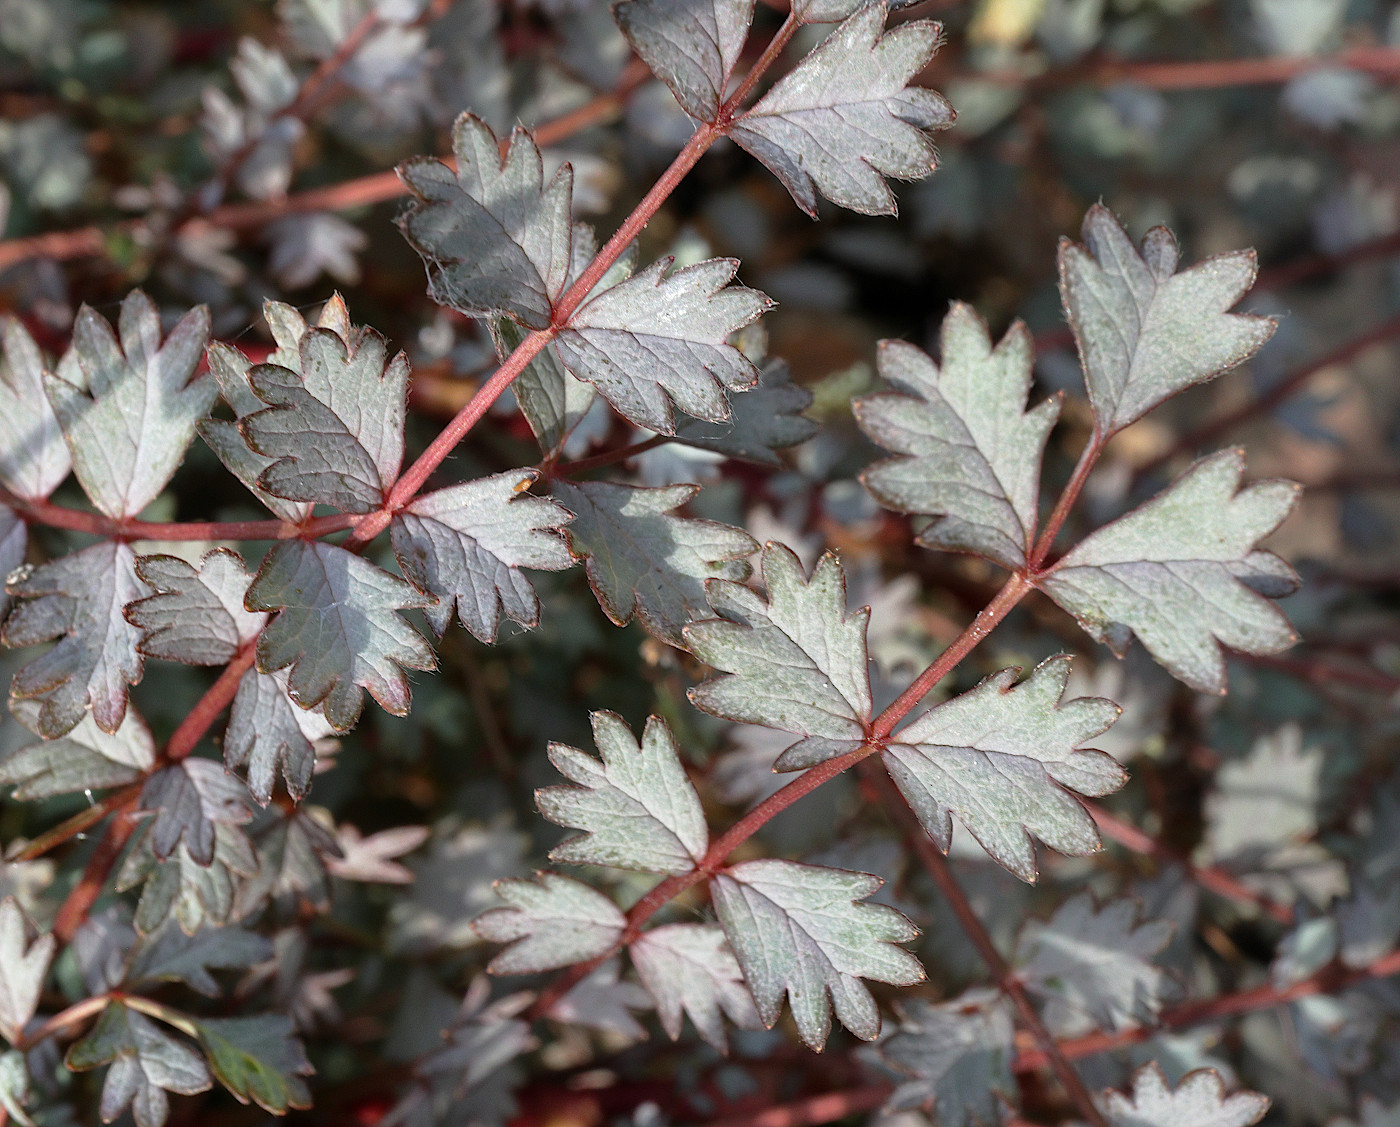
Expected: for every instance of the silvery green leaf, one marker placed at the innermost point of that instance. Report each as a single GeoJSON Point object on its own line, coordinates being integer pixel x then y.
{"type": "Point", "coordinates": [87, 758]}
{"type": "Point", "coordinates": [258, 1059]}
{"type": "Point", "coordinates": [34, 459]}
{"type": "Point", "coordinates": [834, 11]}
{"type": "Point", "coordinates": [551, 922]}
{"type": "Point", "coordinates": [691, 45]}
{"type": "Point", "coordinates": [1004, 758]}
{"type": "Point", "coordinates": [194, 895]}
{"type": "Point", "coordinates": [196, 615]}
{"type": "Point", "coordinates": [172, 956]}
{"type": "Point", "coordinates": [689, 969]}
{"type": "Point", "coordinates": [14, 1085]}
{"type": "Point", "coordinates": [130, 422]}
{"type": "Point", "coordinates": [799, 930]}
{"type": "Point", "coordinates": [304, 246]}
{"type": "Point", "coordinates": [1266, 799]}
{"type": "Point", "coordinates": [494, 237]}
{"type": "Point", "coordinates": [467, 543]}
{"type": "Point", "coordinates": [958, 1056]}
{"type": "Point", "coordinates": [268, 734]}
{"type": "Point", "coordinates": [1198, 1101]}
{"type": "Point", "coordinates": [661, 338]}
{"type": "Point", "coordinates": [1182, 573]}
{"type": "Point", "coordinates": [334, 427]}
{"type": "Point", "coordinates": [14, 545]}
{"type": "Point", "coordinates": [146, 1062]}
{"type": "Point", "coordinates": [77, 601]}
{"type": "Point", "coordinates": [847, 117]}
{"type": "Point", "coordinates": [1146, 332]}
{"type": "Point", "coordinates": [643, 560]}
{"type": "Point", "coordinates": [318, 27]}
{"type": "Point", "coordinates": [339, 629]}
{"type": "Point", "coordinates": [604, 1001]}
{"type": "Point", "coordinates": [761, 421]}
{"type": "Point", "coordinates": [23, 964]}
{"type": "Point", "coordinates": [186, 801]}
{"type": "Point", "coordinates": [1092, 965]}
{"type": "Point", "coordinates": [1298, 27]}
{"type": "Point", "coordinates": [969, 451]}
{"type": "Point", "coordinates": [637, 808]}
{"type": "Point", "coordinates": [792, 659]}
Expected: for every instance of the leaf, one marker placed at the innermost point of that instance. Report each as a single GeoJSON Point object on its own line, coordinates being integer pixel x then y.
{"type": "Point", "coordinates": [551, 922]}
{"type": "Point", "coordinates": [186, 801]}
{"type": "Point", "coordinates": [1266, 799]}
{"type": "Point", "coordinates": [689, 969]}
{"type": "Point", "coordinates": [1198, 1101]}
{"type": "Point", "coordinates": [847, 117]}
{"type": "Point", "coordinates": [14, 545]}
{"type": "Point", "coordinates": [372, 859]}
{"type": "Point", "coordinates": [294, 854]}
{"type": "Point", "coordinates": [258, 1059]}
{"type": "Point", "coordinates": [494, 237]}
{"type": "Point", "coordinates": [1182, 573]}
{"type": "Point", "coordinates": [604, 1002]}
{"type": "Point", "coordinates": [798, 929]}
{"type": "Point", "coordinates": [23, 966]}
{"type": "Point", "coordinates": [34, 459]}
{"type": "Point", "coordinates": [970, 452]}
{"type": "Point", "coordinates": [642, 560]}
{"type": "Point", "coordinates": [180, 887]}
{"type": "Point", "coordinates": [691, 45]}
{"type": "Point", "coordinates": [268, 734]}
{"type": "Point", "coordinates": [661, 337]}
{"type": "Point", "coordinates": [958, 1056]}
{"type": "Point", "coordinates": [335, 421]}
{"type": "Point", "coordinates": [467, 543]}
{"type": "Point", "coordinates": [637, 808]}
{"type": "Point", "coordinates": [172, 956]}
{"type": "Point", "coordinates": [86, 759]}
{"type": "Point", "coordinates": [131, 421]}
{"type": "Point", "coordinates": [1004, 758]}
{"type": "Point", "coordinates": [1092, 962]}
{"type": "Point", "coordinates": [1144, 331]}
{"type": "Point", "coordinates": [761, 421]}
{"type": "Point", "coordinates": [196, 615]}
{"type": "Point", "coordinates": [338, 628]}
{"type": "Point", "coordinates": [14, 1086]}
{"type": "Point", "coordinates": [77, 600]}
{"type": "Point", "coordinates": [146, 1063]}
{"type": "Point", "coordinates": [794, 660]}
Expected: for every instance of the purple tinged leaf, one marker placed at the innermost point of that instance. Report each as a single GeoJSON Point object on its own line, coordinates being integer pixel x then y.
{"type": "Point", "coordinates": [970, 452]}
{"type": "Point", "coordinates": [196, 615]}
{"type": "Point", "coordinates": [799, 930]}
{"type": "Point", "coordinates": [87, 758]}
{"type": "Point", "coordinates": [14, 544]}
{"type": "Point", "coordinates": [1145, 331]}
{"type": "Point", "coordinates": [338, 628]}
{"type": "Point", "coordinates": [186, 801]}
{"type": "Point", "coordinates": [267, 733]}
{"type": "Point", "coordinates": [1182, 573]}
{"type": "Point", "coordinates": [1198, 1101]}
{"type": "Point", "coordinates": [294, 851]}
{"type": "Point", "coordinates": [372, 859]}
{"type": "Point", "coordinates": [172, 956]}
{"type": "Point", "coordinates": [691, 45]}
{"type": "Point", "coordinates": [34, 459]}
{"type": "Point", "coordinates": [602, 1000]}
{"type": "Point", "coordinates": [129, 425]}
{"type": "Point", "coordinates": [847, 117]}
{"type": "Point", "coordinates": [551, 922]}
{"type": "Point", "coordinates": [306, 246]}
{"type": "Point", "coordinates": [258, 1059]}
{"type": "Point", "coordinates": [24, 962]}
{"type": "Point", "coordinates": [643, 560]}
{"type": "Point", "coordinates": [195, 895]}
{"type": "Point", "coordinates": [761, 421]}
{"type": "Point", "coordinates": [78, 601]}
{"type": "Point", "coordinates": [467, 543]}
{"type": "Point", "coordinates": [689, 969]}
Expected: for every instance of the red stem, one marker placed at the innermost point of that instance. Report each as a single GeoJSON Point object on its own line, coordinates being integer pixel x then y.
{"type": "Point", "coordinates": [219, 696]}
{"type": "Point", "coordinates": [78, 903]}
{"type": "Point", "coordinates": [1088, 458]}
{"type": "Point", "coordinates": [607, 457]}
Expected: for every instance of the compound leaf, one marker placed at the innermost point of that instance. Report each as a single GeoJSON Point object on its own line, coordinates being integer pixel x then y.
{"type": "Point", "coordinates": [637, 808]}
{"type": "Point", "coordinates": [180, 887]}
{"type": "Point", "coordinates": [1198, 1101]}
{"type": "Point", "coordinates": [691, 45]}
{"type": "Point", "coordinates": [267, 733]}
{"type": "Point", "coordinates": [1144, 331]}
{"type": "Point", "coordinates": [146, 1062]}
{"type": "Point", "coordinates": [128, 426]}
{"type": "Point", "coordinates": [467, 543]}
{"type": "Point", "coordinates": [196, 615]}
{"type": "Point", "coordinates": [1094, 963]}
{"type": "Point", "coordinates": [794, 660]}
{"type": "Point", "coordinates": [762, 420]}
{"type": "Point", "coordinates": [551, 922]}
{"type": "Point", "coordinates": [494, 237]}
{"type": "Point", "coordinates": [643, 560]}
{"type": "Point", "coordinates": [798, 930]}
{"type": "Point", "coordinates": [34, 459]}
{"type": "Point", "coordinates": [847, 117]}
{"type": "Point", "coordinates": [338, 628]}
{"type": "Point", "coordinates": [87, 758]}
{"type": "Point", "coordinates": [1182, 573]}
{"type": "Point", "coordinates": [1003, 758]}
{"type": "Point", "coordinates": [172, 956]}
{"type": "Point", "coordinates": [258, 1059]}
{"type": "Point", "coordinates": [662, 337]}
{"type": "Point", "coordinates": [78, 601]}
{"type": "Point", "coordinates": [23, 965]}
{"type": "Point", "coordinates": [969, 451]}
{"type": "Point", "coordinates": [186, 801]}
{"type": "Point", "coordinates": [958, 1058]}
{"type": "Point", "coordinates": [689, 969]}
